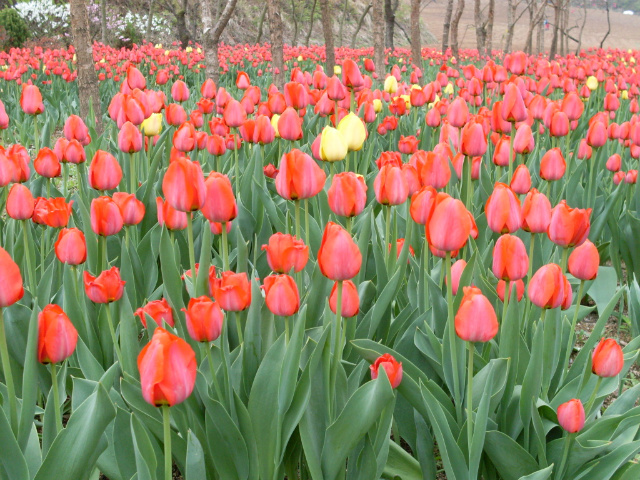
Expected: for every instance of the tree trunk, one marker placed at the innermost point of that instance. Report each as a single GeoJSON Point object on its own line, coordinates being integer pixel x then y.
{"type": "Point", "coordinates": [181, 25]}
{"type": "Point", "coordinates": [342, 18]}
{"type": "Point", "coordinates": [277, 44]}
{"type": "Point", "coordinates": [327, 29]}
{"type": "Point", "coordinates": [377, 15]}
{"type": "Point", "coordinates": [556, 27]}
{"type": "Point", "coordinates": [103, 21]}
{"type": "Point", "coordinates": [606, 4]}
{"type": "Point", "coordinates": [295, 22]}
{"type": "Point", "coordinates": [584, 22]}
{"type": "Point", "coordinates": [88, 87]}
{"type": "Point", "coordinates": [149, 20]}
{"type": "Point", "coordinates": [416, 40]}
{"type": "Point", "coordinates": [261, 23]}
{"type": "Point", "coordinates": [211, 35]}
{"type": "Point", "coordinates": [447, 26]}
{"type": "Point", "coordinates": [313, 12]}
{"type": "Point", "coordinates": [454, 27]}
{"type": "Point", "coordinates": [541, 28]}
{"type": "Point", "coordinates": [479, 24]}
{"type": "Point", "coordinates": [488, 35]}
{"type": "Point", "coordinates": [566, 28]}
{"type": "Point", "coordinates": [534, 20]}
{"type": "Point", "coordinates": [390, 21]}
{"type": "Point", "coordinates": [360, 22]}
{"type": "Point", "coordinates": [511, 20]}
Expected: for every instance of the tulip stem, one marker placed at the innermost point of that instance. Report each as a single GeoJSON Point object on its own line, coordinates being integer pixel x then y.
{"type": "Point", "coordinates": [166, 422]}
{"type": "Point", "coordinates": [239, 327]}
{"type": "Point", "coordinates": [112, 332]}
{"type": "Point", "coordinates": [565, 455]}
{"type": "Point", "coordinates": [349, 223]}
{"type": "Point", "coordinates": [214, 378]}
{"type": "Point", "coordinates": [192, 257]}
{"type": "Point", "coordinates": [511, 139]}
{"type": "Point", "coordinates": [531, 247]}
{"type": "Point", "coordinates": [573, 328]}
{"type": "Point", "coordinates": [286, 329]}
{"type": "Point", "coordinates": [296, 205]}
{"type": "Point", "coordinates": [337, 350]}
{"type": "Point", "coordinates": [452, 338]}
{"type": "Point", "coordinates": [387, 238]}
{"type": "Point", "coordinates": [29, 260]}
{"type": "Point", "coordinates": [592, 398]}
{"type": "Point", "coordinates": [8, 376]}
{"type": "Point", "coordinates": [591, 184]}
{"type": "Point", "coordinates": [505, 304]}
{"type": "Point", "coordinates": [470, 400]}
{"type": "Point", "coordinates": [56, 398]}
{"type": "Point", "coordinates": [36, 133]}
{"type": "Point", "coordinates": [563, 260]}
{"type": "Point", "coordinates": [306, 220]}
{"type": "Point", "coordinates": [132, 173]}
{"type": "Point", "coordinates": [65, 179]}
{"type": "Point", "coordinates": [103, 261]}
{"type": "Point", "coordinates": [346, 162]}
{"type": "Point", "coordinates": [225, 248]}
{"type": "Point", "coordinates": [235, 159]}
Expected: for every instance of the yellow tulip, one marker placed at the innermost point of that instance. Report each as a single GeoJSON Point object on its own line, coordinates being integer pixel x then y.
{"type": "Point", "coordinates": [390, 84]}
{"type": "Point", "coordinates": [625, 95]}
{"type": "Point", "coordinates": [337, 69]}
{"type": "Point", "coordinates": [353, 132]}
{"type": "Point", "coordinates": [152, 126]}
{"type": "Point", "coordinates": [188, 49]}
{"type": "Point", "coordinates": [448, 90]}
{"type": "Point", "coordinates": [333, 147]}
{"type": "Point", "coordinates": [274, 124]}
{"type": "Point", "coordinates": [592, 83]}
{"type": "Point", "coordinates": [300, 58]}
{"type": "Point", "coordinates": [377, 105]}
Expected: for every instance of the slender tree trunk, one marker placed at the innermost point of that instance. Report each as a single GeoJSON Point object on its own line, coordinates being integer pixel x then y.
{"type": "Point", "coordinates": [294, 16]}
{"type": "Point", "coordinates": [584, 22]}
{"type": "Point", "coordinates": [416, 40]}
{"type": "Point", "coordinates": [566, 27]}
{"type": "Point", "coordinates": [88, 87]}
{"type": "Point", "coordinates": [606, 4]}
{"type": "Point", "coordinates": [150, 19]}
{"type": "Point", "coordinates": [277, 43]}
{"type": "Point", "coordinates": [488, 38]}
{"type": "Point", "coordinates": [342, 18]}
{"type": "Point", "coordinates": [541, 28]}
{"type": "Point", "coordinates": [181, 25]}
{"type": "Point", "coordinates": [377, 16]}
{"type": "Point", "coordinates": [360, 22]}
{"type": "Point", "coordinates": [261, 23]}
{"type": "Point", "coordinates": [390, 21]}
{"type": "Point", "coordinates": [556, 27]}
{"type": "Point", "coordinates": [511, 20]}
{"type": "Point", "coordinates": [103, 21]}
{"type": "Point", "coordinates": [311, 22]}
{"type": "Point", "coordinates": [211, 35]}
{"type": "Point", "coordinates": [534, 20]}
{"type": "Point", "coordinates": [446, 28]}
{"type": "Point", "coordinates": [327, 29]}
{"type": "Point", "coordinates": [479, 24]}
{"type": "Point", "coordinates": [454, 27]}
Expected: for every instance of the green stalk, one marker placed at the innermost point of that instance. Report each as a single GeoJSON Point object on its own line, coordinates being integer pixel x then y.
{"type": "Point", "coordinates": [206, 350]}
{"type": "Point", "coordinates": [166, 422]}
{"type": "Point", "coordinates": [65, 179]}
{"type": "Point", "coordinates": [573, 327]}
{"type": "Point", "coordinates": [307, 234]}
{"type": "Point", "coordinates": [349, 223]}
{"type": "Point", "coordinates": [29, 260]}
{"type": "Point", "coordinates": [337, 350]}
{"type": "Point", "coordinates": [239, 327]}
{"type": "Point", "coordinates": [296, 205]}
{"type": "Point", "coordinates": [511, 139]}
{"type": "Point", "coordinates": [225, 248]}
{"type": "Point", "coordinates": [286, 329]}
{"type": "Point", "coordinates": [56, 398]}
{"type": "Point", "coordinates": [112, 332]}
{"type": "Point", "coordinates": [36, 133]}
{"type": "Point", "coordinates": [387, 227]}
{"type": "Point", "coordinates": [505, 304]}
{"type": "Point", "coordinates": [470, 400]}
{"type": "Point", "coordinates": [192, 257]}
{"type": "Point", "coordinates": [531, 247]}
{"type": "Point", "coordinates": [8, 376]}
{"type": "Point", "coordinates": [452, 338]}
{"type": "Point", "coordinates": [236, 162]}
{"type": "Point", "coordinates": [425, 272]}
{"type": "Point", "coordinates": [563, 260]}
{"type": "Point", "coordinates": [565, 455]}
{"type": "Point", "coordinates": [591, 184]}
{"type": "Point", "coordinates": [346, 161]}
{"type": "Point", "coordinates": [103, 260]}
{"type": "Point", "coordinates": [132, 173]}
{"type": "Point", "coordinates": [592, 398]}
{"type": "Point", "coordinates": [468, 162]}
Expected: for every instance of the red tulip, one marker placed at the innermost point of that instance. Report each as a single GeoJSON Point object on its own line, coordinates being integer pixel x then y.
{"type": "Point", "coordinates": [106, 287]}
{"type": "Point", "coordinates": [546, 287]}
{"type": "Point", "coordinates": [503, 210]}
{"type": "Point", "coordinates": [435, 171]}
{"type": "Point", "coordinates": [71, 246]}
{"type": "Point", "coordinates": [158, 310]}
{"type": "Point", "coordinates": [106, 218]}
{"type": "Point", "coordinates": [456, 273]}
{"type": "Point", "coordinates": [299, 176]}
{"type": "Point", "coordinates": [168, 368]}
{"type": "Point", "coordinates": [104, 172]}
{"type": "Point", "coordinates": [232, 291]}
{"type": "Point", "coordinates": [179, 91]}
{"type": "Point", "coordinates": [129, 138]}
{"type": "Point", "coordinates": [449, 225]}
{"type": "Point", "coordinates": [234, 114]}
{"type": "Point", "coordinates": [135, 78]}
{"type": "Point", "coordinates": [169, 216]}
{"type": "Point", "coordinates": [351, 76]}
{"type": "Point", "coordinates": [350, 299]}
{"type": "Point", "coordinates": [473, 142]}
{"type": "Point", "coordinates": [204, 319]}
{"type": "Point", "coordinates": [208, 89]}
{"type": "Point", "coordinates": [569, 227]}
{"type": "Point", "coordinates": [513, 107]}
{"type": "Point", "coordinates": [408, 145]}
{"type": "Point", "coordinates": [183, 185]}
{"type": "Point", "coordinates": [339, 257]}
{"type": "Point", "coordinates": [607, 359]}
{"type": "Point", "coordinates": [347, 195]}
{"type": "Point", "coordinates": [175, 114]}
{"type": "Point", "coordinates": [536, 212]}
{"type": "Point", "coordinates": [285, 252]}
{"type": "Point", "coordinates": [390, 186]}
{"type": "Point", "coordinates": [263, 132]}
{"type": "Point", "coordinates": [521, 181]}
{"type": "Point", "coordinates": [20, 202]}
{"type": "Point", "coordinates": [510, 259]}
{"type": "Point", "coordinates": [290, 125]}
{"type": "Point", "coordinates": [75, 128]}
{"type": "Point", "coordinates": [31, 100]}
{"type": "Point", "coordinates": [476, 319]}
{"type": "Point", "coordinates": [47, 164]}
{"type": "Point", "coordinates": [571, 416]}
{"type": "Point", "coordinates": [10, 279]}
{"type": "Point", "coordinates": [597, 135]}
{"type": "Point", "coordinates": [55, 212]}
{"type": "Point", "coordinates": [584, 261]}
{"type": "Point", "coordinates": [281, 295]}
{"type": "Point", "coordinates": [523, 142]}
{"type": "Point", "coordinates": [518, 286]}
{"type": "Point", "coordinates": [57, 337]}
{"type": "Point", "coordinates": [391, 367]}
{"type": "Point", "coordinates": [131, 208]}
{"type": "Point", "coordinates": [220, 203]}
{"type": "Point", "coordinates": [422, 203]}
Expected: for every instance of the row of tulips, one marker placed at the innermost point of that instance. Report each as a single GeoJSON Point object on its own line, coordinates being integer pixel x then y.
{"type": "Point", "coordinates": [236, 343]}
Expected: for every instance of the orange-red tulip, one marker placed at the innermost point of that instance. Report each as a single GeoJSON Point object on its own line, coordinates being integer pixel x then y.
{"type": "Point", "coordinates": [449, 225]}
{"type": "Point", "coordinates": [476, 319]}
{"type": "Point", "coordinates": [571, 416]}
{"type": "Point", "coordinates": [158, 310]}
{"type": "Point", "coordinates": [220, 203]}
{"type": "Point", "coordinates": [131, 208]}
{"type": "Point", "coordinates": [104, 172]}
{"type": "Point", "coordinates": [204, 319]}
{"type": "Point", "coordinates": [20, 202]}
{"type": "Point", "coordinates": [57, 337]}
{"type": "Point", "coordinates": [503, 210]}
{"type": "Point", "coordinates": [569, 227]}
{"type": "Point", "coordinates": [607, 358]}
{"type": "Point", "coordinates": [47, 164]}
{"type": "Point", "coordinates": [299, 176]}
{"type": "Point", "coordinates": [391, 367]}
{"type": "Point", "coordinates": [232, 291]}
{"type": "Point", "coordinates": [285, 252]}
{"type": "Point", "coordinates": [183, 185]}
{"type": "Point", "coordinates": [106, 218]}
{"type": "Point", "coordinates": [350, 299]}
{"type": "Point", "coordinates": [10, 279]}
{"type": "Point", "coordinates": [71, 246]}
{"type": "Point", "coordinates": [546, 287]}
{"type": "Point", "coordinates": [281, 295]}
{"type": "Point", "coordinates": [339, 257]}
{"type": "Point", "coordinates": [536, 212]}
{"type": "Point", "coordinates": [510, 259]}
{"type": "Point", "coordinates": [105, 288]}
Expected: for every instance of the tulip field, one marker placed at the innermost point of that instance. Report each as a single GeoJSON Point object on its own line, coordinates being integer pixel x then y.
{"type": "Point", "coordinates": [400, 271]}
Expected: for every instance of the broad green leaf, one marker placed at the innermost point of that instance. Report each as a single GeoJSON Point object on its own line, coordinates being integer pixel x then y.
{"type": "Point", "coordinates": [196, 469]}
{"type": "Point", "coordinates": [11, 457]}
{"type": "Point", "coordinates": [510, 459]}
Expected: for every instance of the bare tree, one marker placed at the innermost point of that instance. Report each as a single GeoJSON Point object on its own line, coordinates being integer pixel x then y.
{"type": "Point", "coordinates": [277, 43]}
{"type": "Point", "coordinates": [342, 19]}
{"type": "Point", "coordinates": [584, 22]}
{"type": "Point", "coordinates": [149, 20]}
{"type": "Point", "coordinates": [534, 20]}
{"type": "Point", "coordinates": [311, 22]}
{"type": "Point", "coordinates": [359, 26]}
{"type": "Point", "coordinates": [416, 40]}
{"type": "Point", "coordinates": [103, 21]}
{"type": "Point", "coordinates": [88, 87]}
{"type": "Point", "coordinates": [557, 9]}
{"type": "Point", "coordinates": [211, 35]}
{"type": "Point", "coordinates": [377, 15]}
{"type": "Point", "coordinates": [606, 5]}
{"type": "Point", "coordinates": [488, 36]}
{"type": "Point", "coordinates": [327, 29]}
{"type": "Point", "coordinates": [261, 23]}
{"type": "Point", "coordinates": [511, 22]}
{"type": "Point", "coordinates": [390, 7]}
{"type": "Point", "coordinates": [446, 28]}
{"type": "Point", "coordinates": [484, 26]}
{"type": "Point", "coordinates": [455, 21]}
{"type": "Point", "coordinates": [294, 17]}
